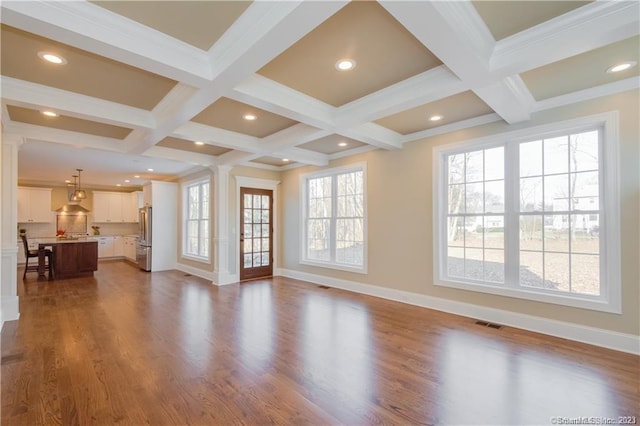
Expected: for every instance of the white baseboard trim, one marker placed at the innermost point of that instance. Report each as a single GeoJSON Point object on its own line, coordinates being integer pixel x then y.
{"type": "Point", "coordinates": [10, 308]}
{"type": "Point", "coordinates": [207, 275]}
{"type": "Point", "coordinates": [222, 278]}
{"type": "Point", "coordinates": [595, 336]}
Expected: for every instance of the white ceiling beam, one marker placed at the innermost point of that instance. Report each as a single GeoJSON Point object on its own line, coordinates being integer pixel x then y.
{"type": "Point", "coordinates": [421, 89]}
{"type": "Point", "coordinates": [589, 27]}
{"type": "Point", "coordinates": [180, 155]}
{"type": "Point", "coordinates": [215, 136]}
{"type": "Point", "coordinates": [303, 156]}
{"type": "Point", "coordinates": [375, 135]}
{"type": "Point", "coordinates": [95, 29]}
{"type": "Point", "coordinates": [457, 35]}
{"type": "Point", "coordinates": [64, 137]}
{"type": "Point", "coordinates": [452, 127]}
{"type": "Point", "coordinates": [284, 139]}
{"type": "Point", "coordinates": [265, 30]}
{"type": "Point", "coordinates": [631, 83]}
{"type": "Point", "coordinates": [264, 93]}
{"type": "Point", "coordinates": [36, 96]}
{"type": "Point", "coordinates": [267, 94]}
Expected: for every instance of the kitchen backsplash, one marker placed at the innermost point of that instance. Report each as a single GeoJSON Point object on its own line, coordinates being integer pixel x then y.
{"type": "Point", "coordinates": [38, 230]}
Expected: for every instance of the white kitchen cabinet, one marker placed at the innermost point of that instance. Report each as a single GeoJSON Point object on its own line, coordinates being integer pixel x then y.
{"type": "Point", "coordinates": [115, 207]}
{"type": "Point", "coordinates": [118, 247]}
{"type": "Point", "coordinates": [105, 247]}
{"type": "Point", "coordinates": [130, 248]}
{"type": "Point", "coordinates": [34, 205]}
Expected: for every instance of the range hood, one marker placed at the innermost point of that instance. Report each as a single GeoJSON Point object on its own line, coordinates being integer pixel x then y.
{"type": "Point", "coordinates": [72, 208]}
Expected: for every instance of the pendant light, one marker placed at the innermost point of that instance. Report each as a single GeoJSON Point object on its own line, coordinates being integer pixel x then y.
{"type": "Point", "coordinates": [79, 194]}
{"type": "Point", "coordinates": [74, 195]}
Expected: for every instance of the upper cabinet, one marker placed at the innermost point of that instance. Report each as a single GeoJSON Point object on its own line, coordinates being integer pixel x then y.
{"type": "Point", "coordinates": [34, 205]}
{"type": "Point", "coordinates": [118, 207]}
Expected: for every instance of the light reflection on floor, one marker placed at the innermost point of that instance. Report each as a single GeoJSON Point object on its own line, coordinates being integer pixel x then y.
{"type": "Point", "coordinates": [336, 347]}
{"type": "Point", "coordinates": [255, 325]}
{"type": "Point", "coordinates": [503, 385]}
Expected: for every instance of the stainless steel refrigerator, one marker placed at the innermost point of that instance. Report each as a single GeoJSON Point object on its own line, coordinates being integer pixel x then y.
{"type": "Point", "coordinates": [143, 249]}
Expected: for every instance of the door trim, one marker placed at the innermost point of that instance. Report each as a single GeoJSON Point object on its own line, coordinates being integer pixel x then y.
{"type": "Point", "coordinates": [234, 247]}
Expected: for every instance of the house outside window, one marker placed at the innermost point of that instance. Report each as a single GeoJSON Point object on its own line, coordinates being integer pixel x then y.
{"type": "Point", "coordinates": [196, 212]}
{"type": "Point", "coordinates": [532, 214]}
{"type": "Point", "coordinates": [334, 219]}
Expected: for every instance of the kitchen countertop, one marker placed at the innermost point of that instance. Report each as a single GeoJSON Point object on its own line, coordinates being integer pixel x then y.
{"type": "Point", "coordinates": [55, 240]}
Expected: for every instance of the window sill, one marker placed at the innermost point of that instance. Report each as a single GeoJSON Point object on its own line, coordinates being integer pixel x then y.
{"type": "Point", "coordinates": [336, 266]}
{"type": "Point", "coordinates": [594, 303]}
{"type": "Point", "coordinates": [199, 259]}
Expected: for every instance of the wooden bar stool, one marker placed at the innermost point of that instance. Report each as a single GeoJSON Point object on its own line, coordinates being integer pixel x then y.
{"type": "Point", "coordinates": [29, 254]}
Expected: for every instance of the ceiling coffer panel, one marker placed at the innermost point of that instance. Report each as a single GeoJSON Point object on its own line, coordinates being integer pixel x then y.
{"type": "Point", "coordinates": [506, 18]}
{"type": "Point", "coordinates": [583, 71]}
{"type": "Point", "coordinates": [272, 161]}
{"type": "Point", "coordinates": [454, 108]}
{"type": "Point", "coordinates": [384, 51]}
{"type": "Point", "coordinates": [84, 72]}
{"type": "Point", "coordinates": [228, 114]}
{"type": "Point", "coordinates": [332, 144]}
{"type": "Point", "coordinates": [198, 23]}
{"type": "Point", "coordinates": [186, 145]}
{"type": "Point", "coordinates": [31, 116]}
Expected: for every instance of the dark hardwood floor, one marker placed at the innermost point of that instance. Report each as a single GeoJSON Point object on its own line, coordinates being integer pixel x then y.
{"type": "Point", "coordinates": [129, 347]}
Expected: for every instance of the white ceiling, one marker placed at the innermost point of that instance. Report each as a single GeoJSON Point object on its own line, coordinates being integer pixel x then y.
{"type": "Point", "coordinates": [268, 34]}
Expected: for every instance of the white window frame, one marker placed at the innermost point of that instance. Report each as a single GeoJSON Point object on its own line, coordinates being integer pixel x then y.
{"type": "Point", "coordinates": [609, 299]}
{"type": "Point", "coordinates": [185, 218]}
{"type": "Point", "coordinates": [304, 178]}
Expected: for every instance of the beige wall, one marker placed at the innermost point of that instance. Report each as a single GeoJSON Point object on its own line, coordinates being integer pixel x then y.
{"type": "Point", "coordinates": [231, 211]}
{"type": "Point", "coordinates": [400, 236]}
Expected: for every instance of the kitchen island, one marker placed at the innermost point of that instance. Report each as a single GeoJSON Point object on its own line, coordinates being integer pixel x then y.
{"type": "Point", "coordinates": [72, 257]}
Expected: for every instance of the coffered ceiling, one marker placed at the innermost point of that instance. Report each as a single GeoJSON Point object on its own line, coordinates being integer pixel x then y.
{"type": "Point", "coordinates": [144, 80]}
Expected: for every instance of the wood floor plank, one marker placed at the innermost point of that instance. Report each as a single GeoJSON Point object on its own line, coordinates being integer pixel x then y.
{"type": "Point", "coordinates": [165, 348]}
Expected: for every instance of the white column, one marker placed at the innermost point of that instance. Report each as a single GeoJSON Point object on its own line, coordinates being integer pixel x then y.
{"type": "Point", "coordinates": [221, 229]}
{"type": "Point", "coordinates": [9, 307]}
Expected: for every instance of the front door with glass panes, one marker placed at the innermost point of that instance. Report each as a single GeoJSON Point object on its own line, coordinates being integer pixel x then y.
{"type": "Point", "coordinates": [256, 235]}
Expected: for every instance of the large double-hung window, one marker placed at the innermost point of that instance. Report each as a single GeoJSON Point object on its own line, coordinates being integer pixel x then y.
{"type": "Point", "coordinates": [334, 218]}
{"type": "Point", "coordinates": [532, 214]}
{"type": "Point", "coordinates": [196, 219]}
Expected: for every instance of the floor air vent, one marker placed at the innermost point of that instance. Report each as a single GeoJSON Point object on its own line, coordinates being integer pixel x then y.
{"type": "Point", "coordinates": [188, 275]}
{"type": "Point", "coordinates": [489, 324]}
{"type": "Point", "coordinates": [324, 287]}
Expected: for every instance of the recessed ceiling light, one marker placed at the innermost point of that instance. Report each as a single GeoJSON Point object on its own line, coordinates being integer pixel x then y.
{"type": "Point", "coordinates": [127, 181]}
{"type": "Point", "coordinates": [52, 57]}
{"type": "Point", "coordinates": [249, 117]}
{"type": "Point", "coordinates": [199, 143]}
{"type": "Point", "coordinates": [149, 170]}
{"type": "Point", "coordinates": [118, 184]}
{"type": "Point", "coordinates": [621, 67]}
{"type": "Point", "coordinates": [285, 160]}
{"type": "Point", "coordinates": [435, 118]}
{"type": "Point", "coordinates": [342, 144]}
{"type": "Point", "coordinates": [49, 113]}
{"type": "Point", "coordinates": [137, 176]}
{"type": "Point", "coordinates": [345, 64]}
